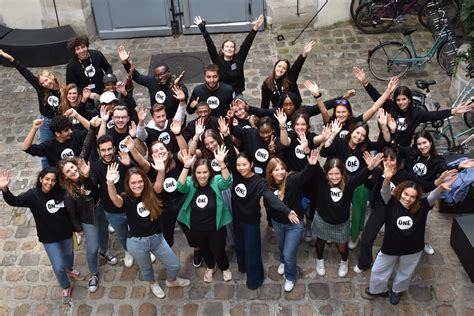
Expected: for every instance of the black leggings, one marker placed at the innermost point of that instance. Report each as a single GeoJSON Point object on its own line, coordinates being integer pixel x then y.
{"type": "Point", "coordinates": [170, 214]}
{"type": "Point", "coordinates": [341, 247]}
{"type": "Point", "coordinates": [369, 234]}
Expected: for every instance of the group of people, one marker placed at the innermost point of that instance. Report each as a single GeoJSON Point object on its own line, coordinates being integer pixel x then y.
{"type": "Point", "coordinates": [104, 164]}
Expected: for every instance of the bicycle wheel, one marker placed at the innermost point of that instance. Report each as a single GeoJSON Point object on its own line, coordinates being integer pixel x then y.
{"type": "Point", "coordinates": [445, 56]}
{"type": "Point", "coordinates": [441, 141]}
{"type": "Point", "coordinates": [468, 118]}
{"type": "Point", "coordinates": [389, 59]}
{"type": "Point", "coordinates": [428, 10]}
{"type": "Point", "coordinates": [355, 5]}
{"type": "Point", "coordinates": [374, 17]}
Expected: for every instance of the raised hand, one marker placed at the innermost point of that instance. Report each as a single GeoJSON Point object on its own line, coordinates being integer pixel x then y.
{"type": "Point", "coordinates": [104, 113]}
{"type": "Point", "coordinates": [372, 161]}
{"type": "Point", "coordinates": [293, 217]}
{"type": "Point", "coordinates": [112, 173]}
{"type": "Point", "coordinates": [308, 47]}
{"type": "Point", "coordinates": [199, 127]}
{"type": "Point", "coordinates": [272, 144]}
{"type": "Point", "coordinates": [359, 74]}
{"type": "Point", "coordinates": [128, 141]}
{"type": "Point", "coordinates": [158, 162]}
{"type": "Point", "coordinates": [446, 185]}
{"type": "Point", "coordinates": [382, 117]}
{"type": "Point", "coordinates": [124, 158]}
{"type": "Point", "coordinates": [37, 123]}
{"type": "Point", "coordinates": [177, 81]}
{"type": "Point", "coordinates": [4, 179]}
{"type": "Point", "coordinates": [393, 84]}
{"type": "Point", "coordinates": [198, 20]}
{"type": "Point", "coordinates": [141, 113]}
{"type": "Point", "coordinates": [469, 163]}
{"type": "Point", "coordinates": [280, 115]}
{"type": "Point", "coordinates": [326, 132]}
{"type": "Point", "coordinates": [223, 127]}
{"type": "Point", "coordinates": [447, 174]}
{"type": "Point", "coordinates": [312, 87]}
{"type": "Point", "coordinates": [349, 94]}
{"type": "Point", "coordinates": [336, 126]}
{"type": "Point", "coordinates": [220, 153]}
{"type": "Point", "coordinates": [86, 93]}
{"type": "Point", "coordinates": [258, 22]}
{"type": "Point", "coordinates": [186, 158]}
{"type": "Point", "coordinates": [463, 108]}
{"type": "Point", "coordinates": [132, 129]}
{"type": "Point", "coordinates": [95, 121]}
{"type": "Point", "coordinates": [313, 157]}
{"type": "Point", "coordinates": [302, 139]}
{"type": "Point", "coordinates": [70, 113]}
{"type": "Point", "coordinates": [194, 103]}
{"type": "Point", "coordinates": [175, 127]}
{"type": "Point", "coordinates": [84, 168]}
{"type": "Point", "coordinates": [178, 92]}
{"type": "Point", "coordinates": [120, 87]}
{"type": "Point", "coordinates": [391, 123]}
{"type": "Point", "coordinates": [123, 53]}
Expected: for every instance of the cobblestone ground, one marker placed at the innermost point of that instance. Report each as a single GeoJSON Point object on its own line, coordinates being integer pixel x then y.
{"type": "Point", "coordinates": [28, 287]}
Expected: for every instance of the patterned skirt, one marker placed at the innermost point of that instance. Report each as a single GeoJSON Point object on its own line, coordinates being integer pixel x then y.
{"type": "Point", "coordinates": [338, 233]}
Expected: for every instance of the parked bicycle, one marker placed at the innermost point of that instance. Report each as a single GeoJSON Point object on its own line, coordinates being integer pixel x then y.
{"type": "Point", "coordinates": [394, 58]}
{"type": "Point", "coordinates": [376, 16]}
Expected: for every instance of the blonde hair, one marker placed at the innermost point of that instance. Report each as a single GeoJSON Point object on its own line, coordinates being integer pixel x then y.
{"type": "Point", "coordinates": [272, 165]}
{"type": "Point", "coordinates": [47, 92]}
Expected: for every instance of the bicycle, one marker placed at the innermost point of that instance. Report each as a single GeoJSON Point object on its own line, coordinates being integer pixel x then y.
{"type": "Point", "coordinates": [376, 16]}
{"type": "Point", "coordinates": [393, 58]}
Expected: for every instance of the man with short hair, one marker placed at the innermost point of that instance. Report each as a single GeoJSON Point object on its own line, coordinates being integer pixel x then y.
{"type": "Point", "coordinates": [118, 127]}
{"type": "Point", "coordinates": [203, 113]}
{"type": "Point", "coordinates": [216, 94]}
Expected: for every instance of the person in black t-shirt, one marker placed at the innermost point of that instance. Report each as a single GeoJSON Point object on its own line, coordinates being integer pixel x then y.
{"type": "Point", "coordinates": [53, 224]}
{"type": "Point", "coordinates": [203, 116]}
{"type": "Point", "coordinates": [405, 222]}
{"type": "Point", "coordinates": [143, 210]}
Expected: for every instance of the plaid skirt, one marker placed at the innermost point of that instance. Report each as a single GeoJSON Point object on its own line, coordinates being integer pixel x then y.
{"type": "Point", "coordinates": [336, 233]}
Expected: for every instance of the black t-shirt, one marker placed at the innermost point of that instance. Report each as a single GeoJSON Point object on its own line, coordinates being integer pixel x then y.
{"type": "Point", "coordinates": [117, 138]}
{"type": "Point", "coordinates": [426, 168]}
{"type": "Point", "coordinates": [138, 218]}
{"type": "Point", "coordinates": [190, 129]}
{"type": "Point", "coordinates": [219, 100]}
{"type": "Point", "coordinates": [203, 209]}
{"type": "Point", "coordinates": [169, 192]}
{"type": "Point", "coordinates": [165, 135]}
{"type": "Point", "coordinates": [295, 158]}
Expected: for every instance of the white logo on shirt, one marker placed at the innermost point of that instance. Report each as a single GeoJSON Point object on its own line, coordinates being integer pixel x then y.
{"type": "Point", "coordinates": [213, 102]}
{"type": "Point", "coordinates": [160, 97]}
{"type": "Point", "coordinates": [299, 152]}
{"type": "Point", "coordinates": [86, 192]}
{"type": "Point", "coordinates": [404, 222]}
{"type": "Point", "coordinates": [201, 201]}
{"type": "Point", "coordinates": [401, 124]}
{"type": "Point", "coordinates": [141, 210]}
{"type": "Point", "coordinates": [53, 101]}
{"type": "Point", "coordinates": [352, 164]}
{"type": "Point", "coordinates": [52, 206]}
{"type": "Point", "coordinates": [164, 138]}
{"type": "Point", "coordinates": [75, 121]}
{"type": "Point", "coordinates": [240, 190]}
{"type": "Point", "coordinates": [89, 71]}
{"type": "Point", "coordinates": [336, 194]}
{"type": "Point", "coordinates": [343, 133]}
{"type": "Point", "coordinates": [110, 124]}
{"type": "Point", "coordinates": [261, 154]}
{"type": "Point", "coordinates": [215, 165]}
{"type": "Point", "coordinates": [169, 185]}
{"type": "Point", "coordinates": [123, 147]}
{"type": "Point", "coordinates": [67, 152]}
{"type": "Point", "coordinates": [420, 169]}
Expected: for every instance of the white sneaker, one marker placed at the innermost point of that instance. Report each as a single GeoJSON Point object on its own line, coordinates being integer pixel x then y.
{"type": "Point", "coordinates": [152, 257]}
{"type": "Point", "coordinates": [353, 244]}
{"type": "Point", "coordinates": [208, 275]}
{"type": "Point", "coordinates": [179, 282]}
{"type": "Point", "coordinates": [281, 269]}
{"type": "Point", "coordinates": [343, 269]}
{"type": "Point", "coordinates": [357, 270]}
{"type": "Point", "coordinates": [428, 249]}
{"type": "Point", "coordinates": [289, 285]}
{"type": "Point", "coordinates": [111, 229]}
{"type": "Point", "coordinates": [227, 275]}
{"type": "Point", "coordinates": [320, 270]}
{"type": "Point", "coordinates": [157, 290]}
{"type": "Point", "coordinates": [308, 234]}
{"type": "Point", "coordinates": [128, 260]}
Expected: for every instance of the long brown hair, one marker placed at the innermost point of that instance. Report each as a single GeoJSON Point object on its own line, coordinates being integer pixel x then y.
{"type": "Point", "coordinates": [360, 147]}
{"type": "Point", "coordinates": [272, 77]}
{"type": "Point", "coordinates": [74, 189]}
{"type": "Point", "coordinates": [170, 164]}
{"type": "Point", "coordinates": [148, 197]}
{"type": "Point", "coordinates": [47, 92]}
{"type": "Point", "coordinates": [65, 104]}
{"type": "Point", "coordinates": [336, 163]}
{"type": "Point", "coordinates": [271, 165]}
{"type": "Point", "coordinates": [402, 186]}
{"type": "Point", "coordinates": [202, 162]}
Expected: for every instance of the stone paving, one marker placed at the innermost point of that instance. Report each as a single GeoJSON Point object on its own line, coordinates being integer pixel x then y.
{"type": "Point", "coordinates": [28, 287]}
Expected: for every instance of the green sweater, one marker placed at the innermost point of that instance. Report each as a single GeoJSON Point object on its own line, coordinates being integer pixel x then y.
{"type": "Point", "coordinates": [217, 184]}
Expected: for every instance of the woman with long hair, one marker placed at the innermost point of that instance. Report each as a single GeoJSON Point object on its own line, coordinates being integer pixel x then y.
{"type": "Point", "coordinates": [53, 224]}
{"type": "Point", "coordinates": [73, 100]}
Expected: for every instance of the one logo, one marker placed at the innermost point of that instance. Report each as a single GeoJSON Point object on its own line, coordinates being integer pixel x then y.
{"type": "Point", "coordinates": [401, 124]}
{"type": "Point", "coordinates": [201, 201]}
{"type": "Point", "coordinates": [86, 192]}
{"type": "Point", "coordinates": [276, 192]}
{"type": "Point", "coordinates": [164, 138]}
{"type": "Point", "coordinates": [141, 210]}
{"type": "Point", "coordinates": [169, 185]}
{"type": "Point", "coordinates": [75, 121]}
{"type": "Point", "coordinates": [420, 169]}
{"type": "Point", "coordinates": [213, 102]}
{"type": "Point", "coordinates": [215, 165]}
{"type": "Point", "coordinates": [404, 222]}
{"type": "Point", "coordinates": [299, 152]}
{"type": "Point", "coordinates": [53, 206]}
{"type": "Point", "coordinates": [240, 190]}
{"type": "Point", "coordinates": [89, 71]}
{"type": "Point", "coordinates": [288, 126]}
{"type": "Point", "coordinates": [67, 152]}
{"type": "Point", "coordinates": [110, 124]}
{"type": "Point", "coordinates": [336, 194]}
{"type": "Point", "coordinates": [123, 147]}
{"type": "Point", "coordinates": [53, 101]}
{"type": "Point", "coordinates": [261, 154]}
{"type": "Point", "coordinates": [343, 133]}
{"type": "Point", "coordinates": [352, 164]}
{"type": "Point", "coordinates": [160, 97]}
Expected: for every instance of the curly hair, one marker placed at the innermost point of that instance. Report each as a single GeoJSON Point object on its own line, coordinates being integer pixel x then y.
{"type": "Point", "coordinates": [74, 189]}
{"type": "Point", "coordinates": [402, 186]}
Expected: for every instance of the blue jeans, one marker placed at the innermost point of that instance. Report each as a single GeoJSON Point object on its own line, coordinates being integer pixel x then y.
{"type": "Point", "coordinates": [248, 251]}
{"type": "Point", "coordinates": [288, 237]}
{"type": "Point", "coordinates": [140, 248]}
{"type": "Point", "coordinates": [119, 223]}
{"type": "Point", "coordinates": [45, 134]}
{"type": "Point", "coordinates": [61, 255]}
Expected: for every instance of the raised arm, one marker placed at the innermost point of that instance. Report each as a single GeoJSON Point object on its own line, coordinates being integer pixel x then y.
{"type": "Point", "coordinates": [211, 48]}
{"type": "Point", "coordinates": [391, 86]}
{"type": "Point", "coordinates": [112, 176]}
{"type": "Point", "coordinates": [281, 118]}
{"type": "Point", "coordinates": [247, 43]}
{"type": "Point", "coordinates": [31, 134]}
{"type": "Point", "coordinates": [313, 87]}
{"type": "Point", "coordinates": [159, 165]}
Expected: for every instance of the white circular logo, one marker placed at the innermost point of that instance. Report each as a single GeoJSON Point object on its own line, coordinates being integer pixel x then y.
{"type": "Point", "coordinates": [404, 222]}
{"type": "Point", "coordinates": [276, 192]}
{"type": "Point", "coordinates": [299, 152]}
{"type": "Point", "coordinates": [74, 121]}
{"type": "Point", "coordinates": [401, 124]}
{"type": "Point", "coordinates": [53, 206]}
{"type": "Point", "coordinates": [164, 138]}
{"type": "Point", "coordinates": [86, 192]}
{"type": "Point", "coordinates": [169, 185]}
{"type": "Point", "coordinates": [123, 147]}
{"type": "Point", "coordinates": [53, 101]}
{"type": "Point", "coordinates": [213, 102]}
{"type": "Point", "coordinates": [160, 97]}
{"type": "Point", "coordinates": [201, 201]}
{"type": "Point", "coordinates": [336, 194]}
{"type": "Point", "coordinates": [110, 124]}
{"type": "Point", "coordinates": [420, 169]}
{"type": "Point", "coordinates": [261, 155]}
{"type": "Point", "coordinates": [215, 165]}
{"type": "Point", "coordinates": [67, 152]}
{"type": "Point", "coordinates": [89, 71]}
{"type": "Point", "coordinates": [288, 126]}
{"type": "Point", "coordinates": [352, 164]}
{"type": "Point", "coordinates": [343, 133]}
{"type": "Point", "coordinates": [141, 210]}
{"type": "Point", "coordinates": [240, 190]}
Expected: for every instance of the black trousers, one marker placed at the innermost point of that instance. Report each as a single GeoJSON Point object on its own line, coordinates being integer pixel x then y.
{"type": "Point", "coordinates": [169, 216]}
{"type": "Point", "coordinates": [369, 234]}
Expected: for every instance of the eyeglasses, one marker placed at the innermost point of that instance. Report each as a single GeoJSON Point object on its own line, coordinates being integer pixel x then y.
{"type": "Point", "coordinates": [341, 101]}
{"type": "Point", "coordinates": [120, 117]}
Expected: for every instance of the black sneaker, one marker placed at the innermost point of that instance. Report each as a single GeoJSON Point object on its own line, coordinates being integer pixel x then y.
{"type": "Point", "coordinates": [383, 294]}
{"type": "Point", "coordinates": [93, 283]}
{"type": "Point", "coordinates": [197, 259]}
{"type": "Point", "coordinates": [110, 258]}
{"type": "Point", "coordinates": [394, 297]}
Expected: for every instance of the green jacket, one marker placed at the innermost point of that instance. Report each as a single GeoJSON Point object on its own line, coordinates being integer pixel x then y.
{"type": "Point", "coordinates": [217, 184]}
